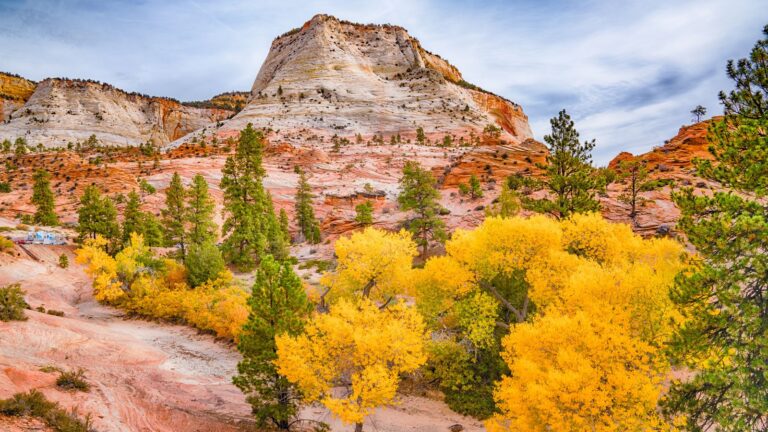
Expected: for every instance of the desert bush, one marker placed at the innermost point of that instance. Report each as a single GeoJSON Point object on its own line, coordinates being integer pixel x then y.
{"type": "Point", "coordinates": [73, 380]}
{"type": "Point", "coordinates": [12, 303]}
{"type": "Point", "coordinates": [35, 404]}
{"type": "Point", "coordinates": [5, 244]}
{"type": "Point", "coordinates": [55, 312]}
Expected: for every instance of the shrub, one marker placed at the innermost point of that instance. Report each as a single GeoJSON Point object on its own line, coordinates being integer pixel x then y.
{"type": "Point", "coordinates": [12, 303]}
{"type": "Point", "coordinates": [55, 312]}
{"type": "Point", "coordinates": [63, 261]}
{"type": "Point", "coordinates": [35, 404]}
{"type": "Point", "coordinates": [204, 262]}
{"type": "Point", "coordinates": [5, 187]}
{"type": "Point", "coordinates": [5, 244]}
{"type": "Point", "coordinates": [73, 380]}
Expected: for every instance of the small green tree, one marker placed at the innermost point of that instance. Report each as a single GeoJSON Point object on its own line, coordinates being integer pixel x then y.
{"type": "Point", "coordinates": [569, 176]}
{"type": "Point", "coordinates": [420, 137]}
{"type": "Point", "coordinates": [278, 305]}
{"type": "Point", "coordinates": [418, 194]}
{"type": "Point", "coordinates": [6, 146]}
{"type": "Point", "coordinates": [204, 262]}
{"type": "Point", "coordinates": [636, 173]}
{"type": "Point", "coordinates": [473, 188]}
{"type": "Point", "coordinates": [200, 207]}
{"type": "Point", "coordinates": [20, 147]}
{"type": "Point", "coordinates": [699, 112]}
{"type": "Point", "coordinates": [364, 213]}
{"type": "Point", "coordinates": [251, 228]}
{"type": "Point", "coordinates": [12, 303]}
{"type": "Point", "coordinates": [508, 204]}
{"type": "Point", "coordinates": [724, 337]}
{"type": "Point", "coordinates": [42, 198]}
{"type": "Point", "coordinates": [174, 215]}
{"type": "Point", "coordinates": [63, 261]}
{"type": "Point", "coordinates": [305, 214]}
{"type": "Point", "coordinates": [97, 216]}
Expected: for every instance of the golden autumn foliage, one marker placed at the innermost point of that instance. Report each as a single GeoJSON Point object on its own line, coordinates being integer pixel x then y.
{"type": "Point", "coordinates": [590, 359]}
{"type": "Point", "coordinates": [358, 345]}
{"type": "Point", "coordinates": [577, 373]}
{"type": "Point", "coordinates": [371, 260]}
{"type": "Point", "coordinates": [136, 281]}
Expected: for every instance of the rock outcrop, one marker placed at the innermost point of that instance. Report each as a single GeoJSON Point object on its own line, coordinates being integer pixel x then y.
{"type": "Point", "coordinates": [14, 93]}
{"type": "Point", "coordinates": [59, 111]}
{"type": "Point", "coordinates": [332, 77]}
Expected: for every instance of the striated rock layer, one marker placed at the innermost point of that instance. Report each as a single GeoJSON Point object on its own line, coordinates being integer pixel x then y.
{"type": "Point", "coordinates": [332, 77]}
{"type": "Point", "coordinates": [59, 111]}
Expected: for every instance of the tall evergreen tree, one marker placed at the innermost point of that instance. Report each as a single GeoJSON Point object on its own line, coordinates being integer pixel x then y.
{"type": "Point", "coordinates": [137, 221]}
{"type": "Point", "coordinates": [20, 147]}
{"type": "Point", "coordinates": [42, 198]}
{"type": "Point", "coordinates": [569, 175]}
{"type": "Point", "coordinates": [725, 300]}
{"type": "Point", "coordinates": [174, 215]}
{"type": "Point", "coordinates": [285, 226]}
{"type": "Point", "coordinates": [418, 193]}
{"type": "Point", "coordinates": [250, 228]}
{"type": "Point", "coordinates": [305, 214]}
{"type": "Point", "coordinates": [278, 305]}
{"type": "Point", "coordinates": [97, 215]}
{"type": "Point", "coordinates": [200, 208]}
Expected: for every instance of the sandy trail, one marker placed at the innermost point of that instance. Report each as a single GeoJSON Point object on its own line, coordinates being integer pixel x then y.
{"type": "Point", "coordinates": [145, 376]}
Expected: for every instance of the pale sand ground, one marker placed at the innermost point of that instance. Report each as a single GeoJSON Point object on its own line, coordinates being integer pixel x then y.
{"type": "Point", "coordinates": [145, 376]}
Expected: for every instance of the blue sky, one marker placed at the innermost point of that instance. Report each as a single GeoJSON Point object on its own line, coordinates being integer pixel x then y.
{"type": "Point", "coordinates": [629, 72]}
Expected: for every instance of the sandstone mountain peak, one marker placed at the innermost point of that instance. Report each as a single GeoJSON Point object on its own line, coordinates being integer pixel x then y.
{"type": "Point", "coordinates": [333, 77]}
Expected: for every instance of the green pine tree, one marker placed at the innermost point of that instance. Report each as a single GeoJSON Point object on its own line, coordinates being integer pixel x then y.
{"type": "Point", "coordinates": [364, 213]}
{"type": "Point", "coordinates": [200, 207]}
{"type": "Point", "coordinates": [137, 221]}
{"type": "Point", "coordinates": [278, 305]}
{"type": "Point", "coordinates": [6, 146]}
{"type": "Point", "coordinates": [174, 215]}
{"type": "Point", "coordinates": [418, 193]}
{"type": "Point", "coordinates": [97, 216]}
{"type": "Point", "coordinates": [420, 137]}
{"type": "Point", "coordinates": [20, 147]}
{"type": "Point", "coordinates": [131, 217]}
{"type": "Point", "coordinates": [725, 300]}
{"type": "Point", "coordinates": [42, 198]}
{"type": "Point", "coordinates": [305, 214]}
{"type": "Point", "coordinates": [250, 228]}
{"type": "Point", "coordinates": [569, 176]}
{"type": "Point", "coordinates": [285, 225]}
{"type": "Point", "coordinates": [204, 262]}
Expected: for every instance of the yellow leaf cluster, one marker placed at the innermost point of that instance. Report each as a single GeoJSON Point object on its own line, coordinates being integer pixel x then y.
{"type": "Point", "coordinates": [373, 258]}
{"type": "Point", "coordinates": [577, 373]}
{"type": "Point", "coordinates": [356, 344]}
{"type": "Point", "coordinates": [100, 266]}
{"type": "Point", "coordinates": [590, 359]}
{"type": "Point", "coordinates": [218, 305]}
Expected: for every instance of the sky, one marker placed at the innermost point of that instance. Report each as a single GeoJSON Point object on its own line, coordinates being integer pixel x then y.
{"type": "Point", "coordinates": [629, 72]}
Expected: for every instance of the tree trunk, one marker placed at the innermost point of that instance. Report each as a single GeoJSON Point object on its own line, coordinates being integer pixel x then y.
{"type": "Point", "coordinates": [358, 427]}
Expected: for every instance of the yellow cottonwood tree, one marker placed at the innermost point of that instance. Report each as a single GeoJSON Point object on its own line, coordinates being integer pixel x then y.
{"type": "Point", "coordinates": [373, 263]}
{"type": "Point", "coordinates": [102, 268]}
{"type": "Point", "coordinates": [577, 373]}
{"type": "Point", "coordinates": [357, 345]}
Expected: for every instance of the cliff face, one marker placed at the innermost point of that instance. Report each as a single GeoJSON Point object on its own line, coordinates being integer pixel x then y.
{"type": "Point", "coordinates": [14, 92]}
{"type": "Point", "coordinates": [59, 111]}
{"type": "Point", "coordinates": [331, 77]}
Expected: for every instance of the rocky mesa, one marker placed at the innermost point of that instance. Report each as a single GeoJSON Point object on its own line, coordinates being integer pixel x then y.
{"type": "Point", "coordinates": [58, 111]}
{"type": "Point", "coordinates": [332, 77]}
